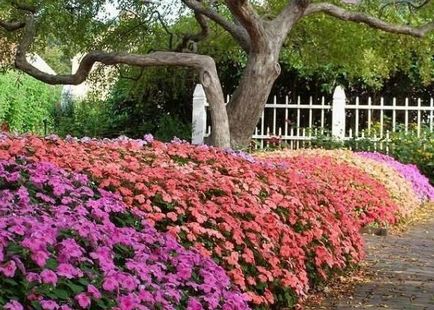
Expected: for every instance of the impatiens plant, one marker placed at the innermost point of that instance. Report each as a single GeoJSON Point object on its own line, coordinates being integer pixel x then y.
{"type": "Point", "coordinates": [277, 227]}
{"type": "Point", "coordinates": [398, 185]}
{"type": "Point", "coordinates": [421, 186]}
{"type": "Point", "coordinates": [64, 244]}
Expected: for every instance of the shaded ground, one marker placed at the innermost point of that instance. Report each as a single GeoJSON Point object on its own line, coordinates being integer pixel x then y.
{"type": "Point", "coordinates": [400, 270]}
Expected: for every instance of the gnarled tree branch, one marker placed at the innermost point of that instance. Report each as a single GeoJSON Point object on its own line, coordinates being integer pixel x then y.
{"type": "Point", "coordinates": [196, 37]}
{"type": "Point", "coordinates": [11, 26]}
{"type": "Point", "coordinates": [245, 14]}
{"type": "Point", "coordinates": [338, 12]}
{"type": "Point", "coordinates": [23, 6]}
{"type": "Point", "coordinates": [237, 32]}
{"type": "Point", "coordinates": [288, 17]}
{"type": "Point", "coordinates": [204, 64]}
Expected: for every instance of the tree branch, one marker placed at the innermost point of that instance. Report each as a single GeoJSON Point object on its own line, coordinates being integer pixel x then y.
{"type": "Point", "coordinates": [293, 11]}
{"type": "Point", "coordinates": [11, 26]}
{"type": "Point", "coordinates": [23, 6]}
{"type": "Point", "coordinates": [203, 34]}
{"type": "Point", "coordinates": [204, 64]}
{"type": "Point", "coordinates": [371, 21]}
{"type": "Point", "coordinates": [237, 32]}
{"type": "Point", "coordinates": [244, 12]}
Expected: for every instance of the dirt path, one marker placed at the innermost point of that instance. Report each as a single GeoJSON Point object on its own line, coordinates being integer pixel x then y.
{"type": "Point", "coordinates": [403, 273]}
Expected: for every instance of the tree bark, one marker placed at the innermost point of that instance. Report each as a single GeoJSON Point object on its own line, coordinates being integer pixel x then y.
{"type": "Point", "coordinates": [248, 101]}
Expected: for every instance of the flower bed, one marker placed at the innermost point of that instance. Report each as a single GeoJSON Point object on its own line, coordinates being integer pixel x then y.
{"type": "Point", "coordinates": [66, 245]}
{"type": "Point", "coordinates": [420, 183]}
{"type": "Point", "coordinates": [404, 183]}
{"type": "Point", "coordinates": [276, 228]}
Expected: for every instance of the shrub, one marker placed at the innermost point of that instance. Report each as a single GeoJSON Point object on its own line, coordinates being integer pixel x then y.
{"type": "Point", "coordinates": [278, 229]}
{"type": "Point", "coordinates": [96, 118]}
{"type": "Point", "coordinates": [411, 148]}
{"type": "Point", "coordinates": [67, 245]}
{"type": "Point", "coordinates": [26, 103]}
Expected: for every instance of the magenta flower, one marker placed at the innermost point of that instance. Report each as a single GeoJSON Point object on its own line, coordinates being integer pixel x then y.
{"type": "Point", "coordinates": [129, 302]}
{"type": "Point", "coordinates": [49, 305]}
{"type": "Point", "coordinates": [48, 277]}
{"type": "Point", "coordinates": [9, 269]}
{"type": "Point", "coordinates": [194, 304]}
{"type": "Point", "coordinates": [110, 284]}
{"type": "Point", "coordinates": [40, 258]}
{"type": "Point", "coordinates": [68, 271]}
{"type": "Point", "coordinates": [83, 300]}
{"type": "Point", "coordinates": [13, 305]}
{"type": "Point", "coordinates": [93, 291]}
{"type": "Point", "coordinates": [33, 277]}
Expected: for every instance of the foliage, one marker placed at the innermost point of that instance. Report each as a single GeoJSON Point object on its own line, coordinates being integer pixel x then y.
{"type": "Point", "coordinates": [409, 147]}
{"type": "Point", "coordinates": [67, 245]}
{"type": "Point", "coordinates": [86, 118]}
{"type": "Point", "coordinates": [277, 228]}
{"type": "Point", "coordinates": [26, 103]}
{"type": "Point", "coordinates": [99, 118]}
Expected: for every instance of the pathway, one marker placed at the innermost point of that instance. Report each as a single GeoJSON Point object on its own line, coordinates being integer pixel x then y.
{"type": "Point", "coordinates": [404, 273]}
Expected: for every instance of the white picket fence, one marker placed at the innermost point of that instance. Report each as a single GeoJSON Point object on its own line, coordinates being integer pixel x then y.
{"type": "Point", "coordinates": [297, 123]}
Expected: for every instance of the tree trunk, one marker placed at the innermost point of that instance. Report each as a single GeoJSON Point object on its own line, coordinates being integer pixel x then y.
{"type": "Point", "coordinates": [220, 135]}
{"type": "Point", "coordinates": [248, 101]}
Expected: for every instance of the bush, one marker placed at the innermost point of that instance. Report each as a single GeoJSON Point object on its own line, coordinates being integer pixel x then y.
{"type": "Point", "coordinates": [277, 228]}
{"type": "Point", "coordinates": [67, 244]}
{"type": "Point", "coordinates": [410, 148]}
{"type": "Point", "coordinates": [26, 103]}
{"type": "Point", "coordinates": [100, 119]}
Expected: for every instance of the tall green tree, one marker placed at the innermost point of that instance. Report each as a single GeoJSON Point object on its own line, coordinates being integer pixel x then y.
{"type": "Point", "coordinates": [262, 30]}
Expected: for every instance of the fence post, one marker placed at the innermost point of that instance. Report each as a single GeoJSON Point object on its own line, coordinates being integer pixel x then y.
{"type": "Point", "coordinates": [199, 115]}
{"type": "Point", "coordinates": [338, 113]}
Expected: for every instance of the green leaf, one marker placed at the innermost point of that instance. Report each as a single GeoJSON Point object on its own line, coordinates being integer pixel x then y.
{"type": "Point", "coordinates": [51, 264]}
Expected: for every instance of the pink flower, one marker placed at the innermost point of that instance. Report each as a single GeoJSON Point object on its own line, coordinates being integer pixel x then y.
{"type": "Point", "coordinates": [193, 304]}
{"type": "Point", "coordinates": [93, 291]}
{"type": "Point", "coordinates": [128, 283]}
{"type": "Point", "coordinates": [68, 271]}
{"type": "Point", "coordinates": [40, 258]}
{"type": "Point", "coordinates": [49, 305]}
{"type": "Point", "coordinates": [110, 284]}
{"type": "Point", "coordinates": [33, 277]}
{"type": "Point", "coordinates": [128, 302]}
{"type": "Point", "coordinates": [70, 248]}
{"type": "Point", "coordinates": [13, 305]}
{"type": "Point", "coordinates": [83, 300]}
{"type": "Point", "coordinates": [145, 296]}
{"type": "Point", "coordinates": [9, 269]}
{"type": "Point", "coordinates": [48, 277]}
{"type": "Point", "coordinates": [17, 229]}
